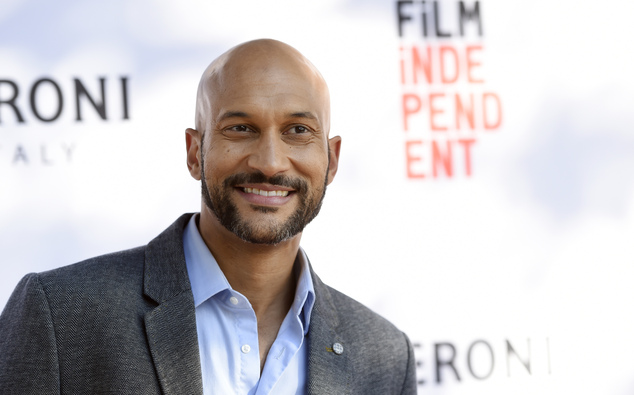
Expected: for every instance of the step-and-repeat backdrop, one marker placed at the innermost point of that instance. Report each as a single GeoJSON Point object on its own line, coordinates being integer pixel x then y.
{"type": "Point", "coordinates": [485, 197]}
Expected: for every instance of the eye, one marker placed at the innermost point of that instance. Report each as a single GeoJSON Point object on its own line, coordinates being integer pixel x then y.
{"type": "Point", "coordinates": [239, 128]}
{"type": "Point", "coordinates": [298, 129]}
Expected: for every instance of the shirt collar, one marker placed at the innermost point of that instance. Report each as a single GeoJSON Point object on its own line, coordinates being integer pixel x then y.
{"type": "Point", "coordinates": [305, 294]}
{"type": "Point", "coordinates": [207, 279]}
{"type": "Point", "coordinates": [205, 276]}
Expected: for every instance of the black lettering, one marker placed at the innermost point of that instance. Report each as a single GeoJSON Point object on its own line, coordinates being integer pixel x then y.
{"type": "Point", "coordinates": [526, 363]}
{"type": "Point", "coordinates": [423, 21]}
{"type": "Point", "coordinates": [124, 97]}
{"type": "Point", "coordinates": [440, 363]}
{"type": "Point", "coordinates": [45, 160]}
{"type": "Point", "coordinates": [419, 363]}
{"type": "Point", "coordinates": [11, 101]}
{"type": "Point", "coordinates": [469, 362]}
{"type": "Point", "coordinates": [60, 100]}
{"type": "Point", "coordinates": [20, 155]}
{"type": "Point", "coordinates": [400, 16]}
{"type": "Point", "coordinates": [68, 150]}
{"type": "Point", "coordinates": [439, 32]}
{"type": "Point", "coordinates": [80, 90]}
{"type": "Point", "coordinates": [468, 15]}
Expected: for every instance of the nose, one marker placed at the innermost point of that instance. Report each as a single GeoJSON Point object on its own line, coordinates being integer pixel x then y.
{"type": "Point", "coordinates": [269, 154]}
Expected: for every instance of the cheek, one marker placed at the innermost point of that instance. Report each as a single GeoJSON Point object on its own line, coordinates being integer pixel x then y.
{"type": "Point", "coordinates": [221, 161]}
{"type": "Point", "coordinates": [313, 166]}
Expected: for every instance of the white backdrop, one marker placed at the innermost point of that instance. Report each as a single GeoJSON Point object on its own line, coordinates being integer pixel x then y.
{"type": "Point", "coordinates": [515, 278]}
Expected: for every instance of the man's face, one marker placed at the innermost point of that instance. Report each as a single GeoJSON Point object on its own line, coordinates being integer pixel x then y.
{"type": "Point", "coordinates": [265, 157]}
{"type": "Point", "coordinates": [218, 199]}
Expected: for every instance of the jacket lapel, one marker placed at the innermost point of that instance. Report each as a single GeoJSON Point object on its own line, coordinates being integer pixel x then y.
{"type": "Point", "coordinates": [171, 326]}
{"type": "Point", "coordinates": [328, 372]}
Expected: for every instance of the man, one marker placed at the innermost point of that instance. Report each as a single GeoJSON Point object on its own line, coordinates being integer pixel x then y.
{"type": "Point", "coordinates": [223, 301]}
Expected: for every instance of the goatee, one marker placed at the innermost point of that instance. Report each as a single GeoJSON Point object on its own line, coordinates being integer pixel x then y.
{"type": "Point", "coordinates": [218, 200]}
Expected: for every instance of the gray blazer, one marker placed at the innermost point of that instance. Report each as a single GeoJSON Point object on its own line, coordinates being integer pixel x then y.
{"type": "Point", "coordinates": [125, 323]}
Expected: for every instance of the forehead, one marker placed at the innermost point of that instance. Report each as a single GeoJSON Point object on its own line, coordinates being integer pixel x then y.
{"type": "Point", "coordinates": [268, 88]}
{"type": "Point", "coordinates": [278, 81]}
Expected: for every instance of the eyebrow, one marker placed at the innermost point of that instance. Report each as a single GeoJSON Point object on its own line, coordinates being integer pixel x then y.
{"type": "Point", "coordinates": [303, 114]}
{"type": "Point", "coordinates": [233, 114]}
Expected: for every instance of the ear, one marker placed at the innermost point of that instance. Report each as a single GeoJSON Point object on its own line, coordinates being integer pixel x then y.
{"type": "Point", "coordinates": [335, 146]}
{"type": "Point", "coordinates": [193, 142]}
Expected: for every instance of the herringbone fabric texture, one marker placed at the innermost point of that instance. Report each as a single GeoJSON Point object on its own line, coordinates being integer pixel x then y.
{"type": "Point", "coordinates": [124, 323]}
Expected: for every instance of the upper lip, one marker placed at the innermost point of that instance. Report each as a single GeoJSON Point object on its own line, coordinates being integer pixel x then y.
{"type": "Point", "coordinates": [266, 187]}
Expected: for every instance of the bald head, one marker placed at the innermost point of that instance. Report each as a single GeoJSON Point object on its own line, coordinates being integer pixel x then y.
{"type": "Point", "coordinates": [262, 125]}
{"type": "Point", "coordinates": [258, 64]}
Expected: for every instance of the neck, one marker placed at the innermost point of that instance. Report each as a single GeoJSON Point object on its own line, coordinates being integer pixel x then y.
{"type": "Point", "coordinates": [262, 273]}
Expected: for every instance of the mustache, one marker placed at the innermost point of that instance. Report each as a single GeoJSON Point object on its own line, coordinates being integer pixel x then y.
{"type": "Point", "coordinates": [296, 183]}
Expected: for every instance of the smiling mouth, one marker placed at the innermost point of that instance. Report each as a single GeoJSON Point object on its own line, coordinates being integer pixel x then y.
{"type": "Point", "coordinates": [261, 192]}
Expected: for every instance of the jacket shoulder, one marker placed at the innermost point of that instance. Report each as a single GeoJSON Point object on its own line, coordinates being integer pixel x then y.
{"type": "Point", "coordinates": [115, 271]}
{"type": "Point", "coordinates": [82, 327]}
{"type": "Point", "coordinates": [381, 356]}
{"type": "Point", "coordinates": [63, 325]}
{"type": "Point", "coordinates": [361, 320]}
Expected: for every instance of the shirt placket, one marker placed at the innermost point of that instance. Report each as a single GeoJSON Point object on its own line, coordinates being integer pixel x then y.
{"type": "Point", "coordinates": [245, 324]}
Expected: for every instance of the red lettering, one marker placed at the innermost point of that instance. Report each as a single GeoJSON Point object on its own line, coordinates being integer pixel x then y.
{"type": "Point", "coordinates": [402, 66]}
{"type": "Point", "coordinates": [407, 110]}
{"type": "Point", "coordinates": [465, 112]}
{"type": "Point", "coordinates": [466, 144]}
{"type": "Point", "coordinates": [411, 159]}
{"type": "Point", "coordinates": [488, 123]}
{"type": "Point", "coordinates": [445, 64]}
{"type": "Point", "coordinates": [439, 159]}
{"type": "Point", "coordinates": [420, 64]}
{"type": "Point", "coordinates": [442, 159]}
{"type": "Point", "coordinates": [434, 111]}
{"type": "Point", "coordinates": [471, 63]}
{"type": "Point", "coordinates": [444, 49]}
{"type": "Point", "coordinates": [457, 113]}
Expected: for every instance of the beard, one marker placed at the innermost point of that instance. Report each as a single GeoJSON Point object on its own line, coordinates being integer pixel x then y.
{"type": "Point", "coordinates": [218, 200]}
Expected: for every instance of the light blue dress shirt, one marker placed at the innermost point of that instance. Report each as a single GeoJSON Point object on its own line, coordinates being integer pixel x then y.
{"type": "Point", "coordinates": [228, 332]}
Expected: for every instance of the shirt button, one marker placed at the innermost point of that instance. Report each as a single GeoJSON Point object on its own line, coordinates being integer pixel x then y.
{"type": "Point", "coordinates": [233, 300]}
{"type": "Point", "coordinates": [337, 348]}
{"type": "Point", "coordinates": [246, 348]}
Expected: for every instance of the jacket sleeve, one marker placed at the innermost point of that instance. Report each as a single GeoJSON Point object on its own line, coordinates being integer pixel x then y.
{"type": "Point", "coordinates": [28, 349]}
{"type": "Point", "coordinates": [410, 385]}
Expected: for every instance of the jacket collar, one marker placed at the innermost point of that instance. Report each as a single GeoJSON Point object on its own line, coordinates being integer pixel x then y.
{"type": "Point", "coordinates": [171, 326]}
{"type": "Point", "coordinates": [165, 274]}
{"type": "Point", "coordinates": [328, 372]}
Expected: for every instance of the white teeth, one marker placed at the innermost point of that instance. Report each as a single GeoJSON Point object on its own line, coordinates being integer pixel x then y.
{"type": "Point", "coordinates": [265, 193]}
